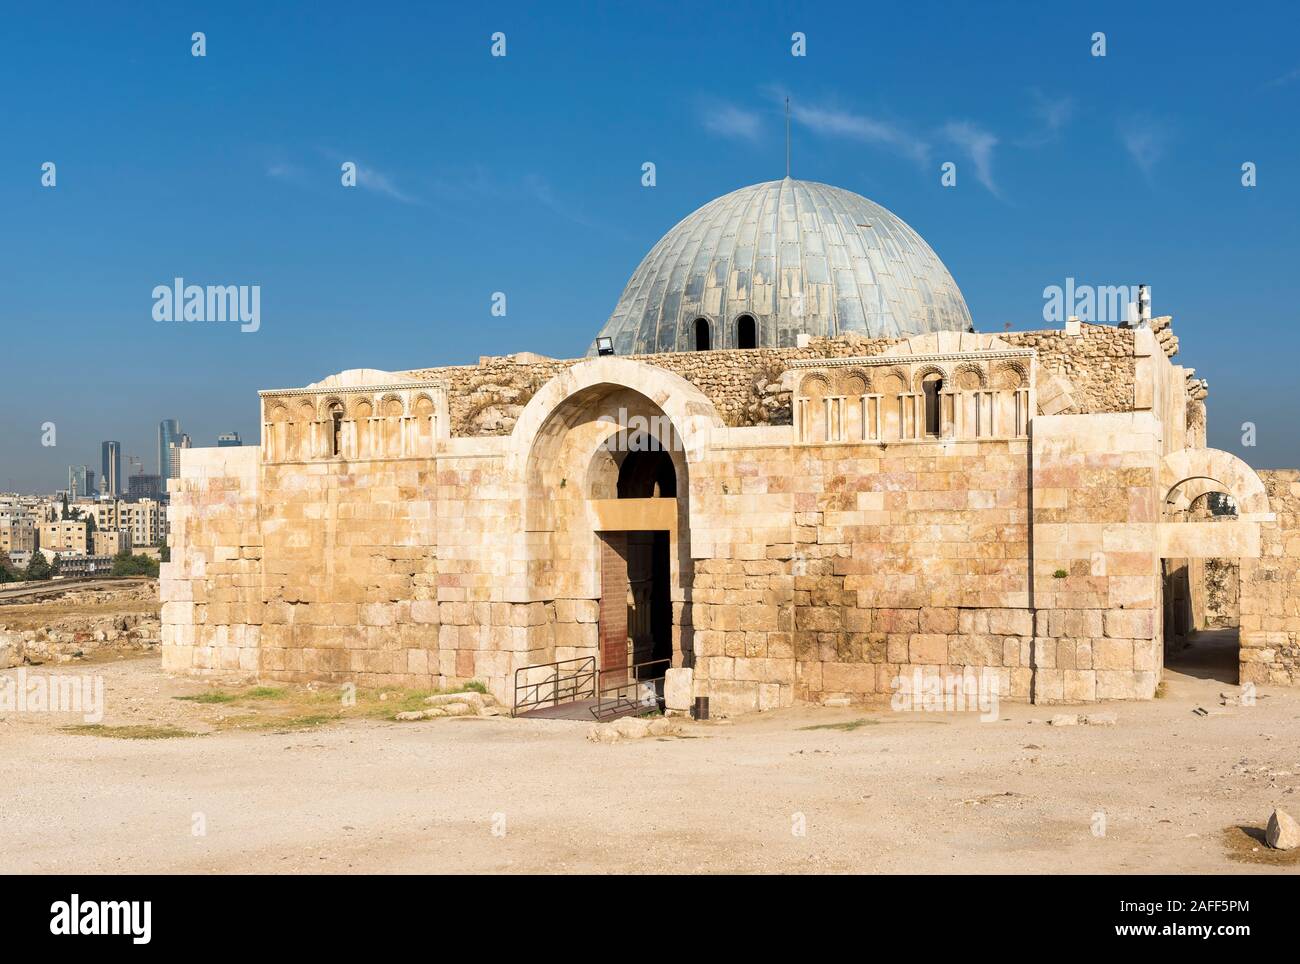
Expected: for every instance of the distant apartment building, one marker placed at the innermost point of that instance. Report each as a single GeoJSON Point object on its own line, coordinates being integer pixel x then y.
{"type": "Point", "coordinates": [228, 440]}
{"type": "Point", "coordinates": [110, 542]}
{"type": "Point", "coordinates": [146, 519]}
{"type": "Point", "coordinates": [81, 481]}
{"type": "Point", "coordinates": [17, 534]}
{"type": "Point", "coordinates": [142, 486]}
{"type": "Point", "coordinates": [110, 478]}
{"type": "Point", "coordinates": [64, 535]}
{"type": "Point", "coordinates": [169, 431]}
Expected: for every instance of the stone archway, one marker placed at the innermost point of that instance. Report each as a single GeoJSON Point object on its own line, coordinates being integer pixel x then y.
{"type": "Point", "coordinates": [572, 443]}
{"type": "Point", "coordinates": [1193, 543]}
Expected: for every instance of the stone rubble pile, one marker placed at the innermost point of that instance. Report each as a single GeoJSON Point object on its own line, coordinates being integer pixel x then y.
{"type": "Point", "coordinates": [469, 703]}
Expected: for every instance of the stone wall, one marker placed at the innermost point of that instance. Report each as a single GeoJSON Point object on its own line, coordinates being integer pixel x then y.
{"type": "Point", "coordinates": [1097, 363]}
{"type": "Point", "coordinates": [1096, 562]}
{"type": "Point", "coordinates": [1270, 589]}
{"type": "Point", "coordinates": [911, 555]}
{"type": "Point", "coordinates": [211, 590]}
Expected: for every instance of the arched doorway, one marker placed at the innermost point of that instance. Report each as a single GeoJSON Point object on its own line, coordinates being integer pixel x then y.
{"type": "Point", "coordinates": [1213, 507]}
{"type": "Point", "coordinates": [703, 336]}
{"type": "Point", "coordinates": [746, 332]}
{"type": "Point", "coordinates": [607, 520]}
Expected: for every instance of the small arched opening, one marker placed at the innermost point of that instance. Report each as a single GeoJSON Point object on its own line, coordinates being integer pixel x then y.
{"type": "Point", "coordinates": [336, 429]}
{"type": "Point", "coordinates": [703, 339]}
{"type": "Point", "coordinates": [746, 332]}
{"type": "Point", "coordinates": [931, 386]}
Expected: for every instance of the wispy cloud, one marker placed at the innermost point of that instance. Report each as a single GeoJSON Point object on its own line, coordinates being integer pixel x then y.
{"type": "Point", "coordinates": [1282, 80]}
{"type": "Point", "coordinates": [836, 122]}
{"type": "Point", "coordinates": [728, 120]}
{"type": "Point", "coordinates": [379, 182]}
{"type": "Point", "coordinates": [977, 144]}
{"type": "Point", "coordinates": [541, 191]}
{"type": "Point", "coordinates": [1052, 115]}
{"type": "Point", "coordinates": [284, 171]}
{"type": "Point", "coordinates": [830, 120]}
{"type": "Point", "coordinates": [1146, 140]}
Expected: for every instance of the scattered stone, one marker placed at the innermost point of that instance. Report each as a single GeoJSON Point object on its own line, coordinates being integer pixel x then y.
{"type": "Point", "coordinates": [631, 728]}
{"type": "Point", "coordinates": [662, 727]}
{"type": "Point", "coordinates": [410, 715]}
{"type": "Point", "coordinates": [456, 709]}
{"type": "Point", "coordinates": [1201, 711]}
{"type": "Point", "coordinates": [1282, 833]}
{"type": "Point", "coordinates": [469, 698]}
{"type": "Point", "coordinates": [1100, 719]}
{"type": "Point", "coordinates": [1064, 719]}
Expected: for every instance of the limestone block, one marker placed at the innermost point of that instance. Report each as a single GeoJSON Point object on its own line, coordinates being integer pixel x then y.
{"type": "Point", "coordinates": [1112, 654]}
{"type": "Point", "coordinates": [848, 677]}
{"type": "Point", "coordinates": [928, 648]}
{"type": "Point", "coordinates": [1079, 686]}
{"type": "Point", "coordinates": [1116, 684]}
{"type": "Point", "coordinates": [1130, 623]}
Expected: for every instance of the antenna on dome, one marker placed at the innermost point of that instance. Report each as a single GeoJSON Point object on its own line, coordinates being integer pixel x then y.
{"type": "Point", "coordinates": [787, 136]}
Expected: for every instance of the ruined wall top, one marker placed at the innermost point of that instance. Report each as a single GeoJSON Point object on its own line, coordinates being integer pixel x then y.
{"type": "Point", "coordinates": [746, 386]}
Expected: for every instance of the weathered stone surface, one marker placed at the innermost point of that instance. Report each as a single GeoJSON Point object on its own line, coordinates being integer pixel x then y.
{"type": "Point", "coordinates": [678, 693]}
{"type": "Point", "coordinates": [1282, 832]}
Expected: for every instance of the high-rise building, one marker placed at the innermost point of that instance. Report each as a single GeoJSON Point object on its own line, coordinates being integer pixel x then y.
{"type": "Point", "coordinates": [81, 481]}
{"type": "Point", "coordinates": [110, 478]}
{"type": "Point", "coordinates": [228, 439]}
{"type": "Point", "coordinates": [141, 486]}
{"type": "Point", "coordinates": [168, 432]}
{"type": "Point", "coordinates": [174, 456]}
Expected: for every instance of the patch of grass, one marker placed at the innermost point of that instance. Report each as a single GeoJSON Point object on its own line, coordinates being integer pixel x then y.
{"type": "Point", "coordinates": [135, 732]}
{"type": "Point", "coordinates": [214, 697]}
{"type": "Point", "coordinates": [265, 693]}
{"type": "Point", "coordinates": [1060, 574]}
{"type": "Point", "coordinates": [848, 726]}
{"type": "Point", "coordinates": [278, 708]}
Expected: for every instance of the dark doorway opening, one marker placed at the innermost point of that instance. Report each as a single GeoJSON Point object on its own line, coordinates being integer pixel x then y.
{"type": "Point", "coordinates": [746, 332]}
{"type": "Point", "coordinates": [650, 610]}
{"type": "Point", "coordinates": [647, 474]}
{"type": "Point", "coordinates": [702, 339]}
{"type": "Point", "coordinates": [932, 386]}
{"type": "Point", "coordinates": [636, 610]}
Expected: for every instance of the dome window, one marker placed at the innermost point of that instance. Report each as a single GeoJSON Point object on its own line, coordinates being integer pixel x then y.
{"type": "Point", "coordinates": [702, 335]}
{"type": "Point", "coordinates": [746, 332]}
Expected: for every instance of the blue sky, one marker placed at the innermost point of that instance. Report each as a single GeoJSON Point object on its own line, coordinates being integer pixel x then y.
{"type": "Point", "coordinates": [523, 175]}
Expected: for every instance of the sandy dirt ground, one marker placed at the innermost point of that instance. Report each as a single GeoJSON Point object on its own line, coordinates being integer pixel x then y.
{"type": "Point", "coordinates": [911, 793]}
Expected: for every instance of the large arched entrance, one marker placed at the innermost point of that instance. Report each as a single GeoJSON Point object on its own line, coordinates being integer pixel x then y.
{"type": "Point", "coordinates": [605, 502]}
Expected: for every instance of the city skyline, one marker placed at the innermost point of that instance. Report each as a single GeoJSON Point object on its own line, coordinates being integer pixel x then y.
{"type": "Point", "coordinates": [115, 457]}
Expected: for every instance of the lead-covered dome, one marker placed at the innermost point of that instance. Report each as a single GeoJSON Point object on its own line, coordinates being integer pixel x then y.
{"type": "Point", "coordinates": [763, 264]}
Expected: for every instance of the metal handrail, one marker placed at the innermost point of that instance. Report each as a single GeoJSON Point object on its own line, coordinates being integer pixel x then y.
{"type": "Point", "coordinates": [565, 687]}
{"type": "Point", "coordinates": [634, 676]}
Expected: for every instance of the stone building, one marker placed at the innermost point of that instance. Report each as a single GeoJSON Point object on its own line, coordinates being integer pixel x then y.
{"type": "Point", "coordinates": [798, 475]}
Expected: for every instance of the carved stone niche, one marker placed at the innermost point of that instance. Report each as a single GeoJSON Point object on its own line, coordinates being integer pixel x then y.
{"type": "Point", "coordinates": [357, 414]}
{"type": "Point", "coordinates": [947, 386]}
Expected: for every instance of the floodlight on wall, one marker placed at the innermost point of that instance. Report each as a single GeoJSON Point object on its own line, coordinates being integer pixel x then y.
{"type": "Point", "coordinates": [604, 346]}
